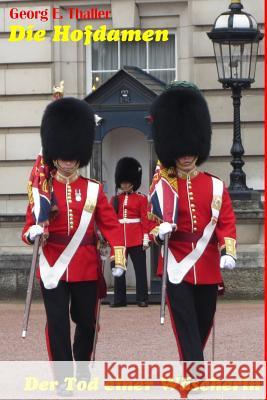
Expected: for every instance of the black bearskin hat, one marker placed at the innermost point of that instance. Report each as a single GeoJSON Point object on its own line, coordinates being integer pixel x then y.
{"type": "Point", "coordinates": [128, 169]}
{"type": "Point", "coordinates": [67, 131]}
{"type": "Point", "coordinates": [181, 124]}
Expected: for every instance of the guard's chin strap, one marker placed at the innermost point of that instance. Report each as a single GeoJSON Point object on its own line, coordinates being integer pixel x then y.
{"type": "Point", "coordinates": [60, 171]}
{"type": "Point", "coordinates": [179, 167]}
{"type": "Point", "coordinates": [130, 190]}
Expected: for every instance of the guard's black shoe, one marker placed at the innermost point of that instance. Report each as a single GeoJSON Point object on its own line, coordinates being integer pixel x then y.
{"type": "Point", "coordinates": [115, 305]}
{"type": "Point", "coordinates": [142, 304]}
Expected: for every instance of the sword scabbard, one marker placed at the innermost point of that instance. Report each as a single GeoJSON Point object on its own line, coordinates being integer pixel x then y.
{"type": "Point", "coordinates": [30, 286]}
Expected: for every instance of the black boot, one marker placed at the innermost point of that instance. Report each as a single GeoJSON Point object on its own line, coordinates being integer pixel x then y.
{"type": "Point", "coordinates": [115, 305]}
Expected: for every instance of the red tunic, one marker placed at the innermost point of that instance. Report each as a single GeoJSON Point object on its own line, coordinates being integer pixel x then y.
{"type": "Point", "coordinates": [133, 206]}
{"type": "Point", "coordinates": [70, 199]}
{"type": "Point", "coordinates": [194, 213]}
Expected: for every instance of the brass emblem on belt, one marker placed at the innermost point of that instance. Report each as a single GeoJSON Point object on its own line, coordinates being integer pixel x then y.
{"type": "Point", "coordinates": [89, 206]}
{"type": "Point", "coordinates": [217, 202]}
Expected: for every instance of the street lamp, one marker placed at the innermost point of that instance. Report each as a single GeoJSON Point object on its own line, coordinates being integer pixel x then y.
{"type": "Point", "coordinates": [236, 36]}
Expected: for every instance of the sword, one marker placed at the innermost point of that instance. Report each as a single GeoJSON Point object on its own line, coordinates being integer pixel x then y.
{"type": "Point", "coordinates": [103, 258]}
{"type": "Point", "coordinates": [164, 279]}
{"type": "Point", "coordinates": [30, 286]}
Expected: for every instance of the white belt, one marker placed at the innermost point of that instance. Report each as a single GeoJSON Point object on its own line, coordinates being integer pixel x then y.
{"type": "Point", "coordinates": [129, 220]}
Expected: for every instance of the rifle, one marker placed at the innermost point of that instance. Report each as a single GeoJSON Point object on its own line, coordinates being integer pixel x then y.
{"type": "Point", "coordinates": [164, 279]}
{"type": "Point", "coordinates": [30, 286]}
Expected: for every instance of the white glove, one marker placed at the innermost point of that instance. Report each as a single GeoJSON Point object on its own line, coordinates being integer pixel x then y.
{"type": "Point", "coordinates": [117, 271]}
{"type": "Point", "coordinates": [165, 228]}
{"type": "Point", "coordinates": [227, 262]}
{"type": "Point", "coordinates": [34, 231]}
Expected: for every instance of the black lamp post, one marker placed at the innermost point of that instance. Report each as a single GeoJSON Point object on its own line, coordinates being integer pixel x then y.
{"type": "Point", "coordinates": [236, 36]}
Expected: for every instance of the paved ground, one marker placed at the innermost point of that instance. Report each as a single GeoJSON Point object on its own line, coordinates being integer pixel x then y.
{"type": "Point", "coordinates": [133, 333]}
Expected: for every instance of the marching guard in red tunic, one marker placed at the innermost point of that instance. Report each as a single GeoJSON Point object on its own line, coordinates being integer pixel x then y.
{"type": "Point", "coordinates": [131, 209]}
{"type": "Point", "coordinates": [70, 273]}
{"type": "Point", "coordinates": [203, 238]}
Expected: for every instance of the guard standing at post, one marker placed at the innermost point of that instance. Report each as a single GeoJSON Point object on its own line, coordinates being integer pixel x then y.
{"type": "Point", "coordinates": [131, 209]}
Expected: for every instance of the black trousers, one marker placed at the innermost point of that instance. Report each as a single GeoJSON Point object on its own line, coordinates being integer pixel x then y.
{"type": "Point", "coordinates": [78, 300]}
{"type": "Point", "coordinates": [192, 309]}
{"type": "Point", "coordinates": [138, 257]}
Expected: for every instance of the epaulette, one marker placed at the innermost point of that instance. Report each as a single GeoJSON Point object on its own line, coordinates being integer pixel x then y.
{"type": "Point", "coordinates": [94, 180]}
{"type": "Point", "coordinates": [142, 194]}
{"type": "Point", "coordinates": [89, 179]}
{"type": "Point", "coordinates": [214, 176]}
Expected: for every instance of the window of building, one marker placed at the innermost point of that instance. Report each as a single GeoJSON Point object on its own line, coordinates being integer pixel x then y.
{"type": "Point", "coordinates": [156, 58]}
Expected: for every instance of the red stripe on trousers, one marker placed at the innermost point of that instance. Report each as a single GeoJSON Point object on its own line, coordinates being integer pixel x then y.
{"type": "Point", "coordinates": [50, 357]}
{"type": "Point", "coordinates": [174, 329]}
{"type": "Point", "coordinates": [208, 334]}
